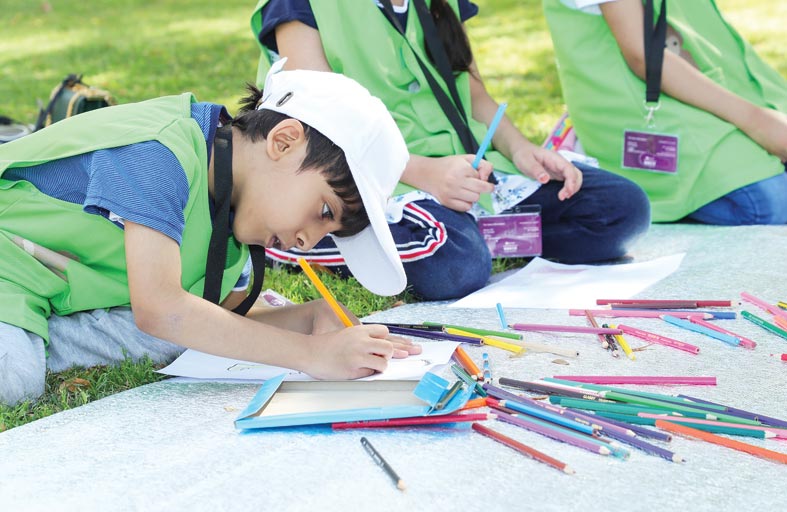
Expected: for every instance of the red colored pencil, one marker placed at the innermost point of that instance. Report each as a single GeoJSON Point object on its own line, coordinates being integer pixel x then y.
{"type": "Point", "coordinates": [413, 421]}
{"type": "Point", "coordinates": [523, 448]}
{"type": "Point", "coordinates": [699, 303]}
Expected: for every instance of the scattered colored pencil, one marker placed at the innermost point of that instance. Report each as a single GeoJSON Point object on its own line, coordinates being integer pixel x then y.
{"type": "Point", "coordinates": [635, 313]}
{"type": "Point", "coordinates": [436, 335]}
{"type": "Point", "coordinates": [564, 328]}
{"type": "Point", "coordinates": [690, 326]}
{"type": "Point", "coordinates": [482, 332]}
{"type": "Point", "coordinates": [745, 342]}
{"type": "Point", "coordinates": [501, 315]}
{"type": "Point", "coordinates": [326, 294]}
{"type": "Point", "coordinates": [781, 322]}
{"type": "Point", "coordinates": [640, 379]}
{"type": "Point", "coordinates": [553, 433]}
{"type": "Point", "coordinates": [468, 379]}
{"type": "Point", "coordinates": [767, 420]}
{"type": "Point", "coordinates": [488, 340]}
{"type": "Point", "coordinates": [676, 304]}
{"type": "Point", "coordinates": [594, 324]}
{"type": "Point", "coordinates": [699, 303]}
{"type": "Point", "coordinates": [467, 363]}
{"type": "Point", "coordinates": [722, 441]}
{"type": "Point", "coordinates": [420, 327]}
{"type": "Point", "coordinates": [414, 421]}
{"type": "Point", "coordinates": [764, 324]}
{"type": "Point", "coordinates": [774, 310]}
{"type": "Point", "coordinates": [623, 343]}
{"type": "Point", "coordinates": [547, 389]}
{"type": "Point", "coordinates": [782, 304]}
{"type": "Point", "coordinates": [779, 433]}
{"type": "Point", "coordinates": [380, 461]}
{"type": "Point", "coordinates": [522, 448]}
{"type": "Point", "coordinates": [658, 338]}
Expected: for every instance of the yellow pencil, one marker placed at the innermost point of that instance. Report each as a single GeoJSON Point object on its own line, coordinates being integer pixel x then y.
{"type": "Point", "coordinates": [487, 340]}
{"type": "Point", "coordinates": [623, 344]}
{"type": "Point", "coordinates": [326, 294]}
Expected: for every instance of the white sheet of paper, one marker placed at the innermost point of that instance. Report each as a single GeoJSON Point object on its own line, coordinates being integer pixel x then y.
{"type": "Point", "coordinates": [199, 365]}
{"type": "Point", "coordinates": [543, 284]}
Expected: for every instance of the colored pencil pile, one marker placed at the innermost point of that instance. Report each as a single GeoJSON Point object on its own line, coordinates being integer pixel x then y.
{"type": "Point", "coordinates": [596, 405]}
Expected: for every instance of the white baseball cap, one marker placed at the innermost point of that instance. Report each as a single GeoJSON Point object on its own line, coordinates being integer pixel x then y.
{"type": "Point", "coordinates": [360, 124]}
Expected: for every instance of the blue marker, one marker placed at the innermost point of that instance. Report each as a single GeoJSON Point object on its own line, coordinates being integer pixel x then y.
{"type": "Point", "coordinates": [502, 316]}
{"type": "Point", "coordinates": [488, 139]}
{"type": "Point", "coordinates": [726, 338]}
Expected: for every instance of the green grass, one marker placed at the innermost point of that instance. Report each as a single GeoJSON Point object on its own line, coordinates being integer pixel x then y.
{"type": "Point", "coordinates": [139, 49]}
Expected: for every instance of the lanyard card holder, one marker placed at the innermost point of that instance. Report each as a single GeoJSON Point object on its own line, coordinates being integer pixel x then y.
{"type": "Point", "coordinates": [648, 150]}
{"type": "Point", "coordinates": [514, 233]}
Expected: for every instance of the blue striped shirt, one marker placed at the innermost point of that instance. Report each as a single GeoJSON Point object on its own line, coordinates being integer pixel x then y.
{"type": "Point", "coordinates": [143, 182]}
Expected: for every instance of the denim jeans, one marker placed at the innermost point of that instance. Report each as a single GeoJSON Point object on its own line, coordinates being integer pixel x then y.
{"type": "Point", "coordinates": [445, 256]}
{"type": "Point", "coordinates": [764, 202]}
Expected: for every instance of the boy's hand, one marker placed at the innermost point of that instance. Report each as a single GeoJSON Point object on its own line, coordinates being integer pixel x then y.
{"type": "Point", "coordinates": [451, 180]}
{"type": "Point", "coordinates": [544, 165]}
{"type": "Point", "coordinates": [403, 347]}
{"type": "Point", "coordinates": [351, 353]}
{"type": "Point", "coordinates": [324, 320]}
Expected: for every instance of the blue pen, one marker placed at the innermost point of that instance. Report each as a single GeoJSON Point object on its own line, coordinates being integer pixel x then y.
{"type": "Point", "coordinates": [685, 324]}
{"type": "Point", "coordinates": [501, 315]}
{"type": "Point", "coordinates": [488, 139]}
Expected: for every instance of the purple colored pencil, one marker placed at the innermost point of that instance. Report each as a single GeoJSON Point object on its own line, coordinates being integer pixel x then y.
{"type": "Point", "coordinates": [732, 411]}
{"type": "Point", "coordinates": [647, 447]}
{"type": "Point", "coordinates": [572, 414]}
{"type": "Point", "coordinates": [552, 433]}
{"type": "Point", "coordinates": [434, 335]}
{"type": "Point", "coordinates": [638, 429]}
{"type": "Point", "coordinates": [564, 328]}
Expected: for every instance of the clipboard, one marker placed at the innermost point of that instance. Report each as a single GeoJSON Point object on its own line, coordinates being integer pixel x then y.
{"type": "Point", "coordinates": [295, 403]}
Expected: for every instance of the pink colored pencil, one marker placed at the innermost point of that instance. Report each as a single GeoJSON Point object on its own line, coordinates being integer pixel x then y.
{"type": "Point", "coordinates": [781, 322]}
{"type": "Point", "coordinates": [697, 303]}
{"type": "Point", "coordinates": [417, 420]}
{"type": "Point", "coordinates": [564, 328]}
{"type": "Point", "coordinates": [781, 433]}
{"type": "Point", "coordinates": [639, 379]}
{"type": "Point", "coordinates": [774, 310]}
{"type": "Point", "coordinates": [635, 313]}
{"type": "Point", "coordinates": [745, 342]}
{"type": "Point", "coordinates": [658, 338]}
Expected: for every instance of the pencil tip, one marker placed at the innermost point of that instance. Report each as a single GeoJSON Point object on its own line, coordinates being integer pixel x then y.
{"type": "Point", "coordinates": [400, 485]}
{"type": "Point", "coordinates": [568, 470]}
{"type": "Point", "coordinates": [603, 450]}
{"type": "Point", "coordinates": [677, 458]}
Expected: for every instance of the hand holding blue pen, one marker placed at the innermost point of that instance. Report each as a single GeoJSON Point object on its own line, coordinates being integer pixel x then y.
{"type": "Point", "coordinates": [488, 139]}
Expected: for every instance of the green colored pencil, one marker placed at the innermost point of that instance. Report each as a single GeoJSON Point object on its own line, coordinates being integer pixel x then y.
{"type": "Point", "coordinates": [655, 396]}
{"type": "Point", "coordinates": [764, 324]}
{"type": "Point", "coordinates": [480, 332]}
{"type": "Point", "coordinates": [623, 397]}
{"type": "Point", "coordinates": [620, 408]}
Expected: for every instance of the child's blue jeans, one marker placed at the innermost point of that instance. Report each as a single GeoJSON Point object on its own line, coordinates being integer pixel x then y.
{"type": "Point", "coordinates": [764, 202]}
{"type": "Point", "coordinates": [445, 256]}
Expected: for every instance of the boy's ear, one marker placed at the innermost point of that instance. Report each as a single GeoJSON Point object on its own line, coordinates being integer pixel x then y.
{"type": "Point", "coordinates": [284, 138]}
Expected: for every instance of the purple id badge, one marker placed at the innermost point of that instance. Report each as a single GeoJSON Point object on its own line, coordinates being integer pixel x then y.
{"type": "Point", "coordinates": [514, 234]}
{"type": "Point", "coordinates": [654, 152]}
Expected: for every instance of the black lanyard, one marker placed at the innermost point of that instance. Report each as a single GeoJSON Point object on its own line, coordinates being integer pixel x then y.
{"type": "Point", "coordinates": [655, 39]}
{"type": "Point", "coordinates": [454, 110]}
{"type": "Point", "coordinates": [219, 238]}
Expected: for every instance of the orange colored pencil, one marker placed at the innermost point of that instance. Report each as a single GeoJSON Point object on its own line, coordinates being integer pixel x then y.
{"type": "Point", "coordinates": [523, 448]}
{"type": "Point", "coordinates": [475, 403]}
{"type": "Point", "coordinates": [467, 363]}
{"type": "Point", "coordinates": [781, 322]}
{"type": "Point", "coordinates": [722, 441]}
{"type": "Point", "coordinates": [593, 323]}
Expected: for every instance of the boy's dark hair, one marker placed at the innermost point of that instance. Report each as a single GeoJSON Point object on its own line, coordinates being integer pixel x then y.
{"type": "Point", "coordinates": [453, 36]}
{"type": "Point", "coordinates": [322, 155]}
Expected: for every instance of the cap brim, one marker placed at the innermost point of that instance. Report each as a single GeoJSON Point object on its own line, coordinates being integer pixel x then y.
{"type": "Point", "coordinates": [371, 255]}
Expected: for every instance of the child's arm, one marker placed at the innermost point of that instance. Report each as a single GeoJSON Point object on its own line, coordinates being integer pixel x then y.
{"type": "Point", "coordinates": [163, 309]}
{"type": "Point", "coordinates": [685, 83]}
{"type": "Point", "coordinates": [531, 160]}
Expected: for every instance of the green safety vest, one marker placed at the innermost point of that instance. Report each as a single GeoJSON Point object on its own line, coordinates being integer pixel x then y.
{"type": "Point", "coordinates": [96, 276]}
{"type": "Point", "coordinates": [605, 97]}
{"type": "Point", "coordinates": [361, 43]}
